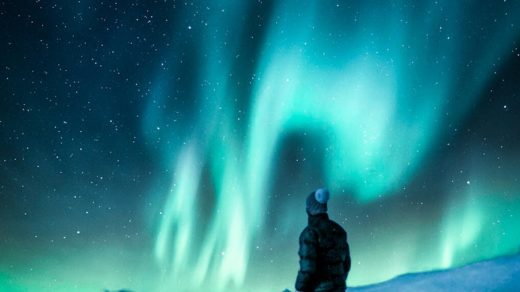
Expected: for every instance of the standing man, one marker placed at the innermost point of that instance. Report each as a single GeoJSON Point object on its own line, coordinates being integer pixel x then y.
{"type": "Point", "coordinates": [324, 251]}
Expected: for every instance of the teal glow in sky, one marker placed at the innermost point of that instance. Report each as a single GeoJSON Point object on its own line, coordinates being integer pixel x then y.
{"type": "Point", "coordinates": [173, 144]}
{"type": "Point", "coordinates": [376, 89]}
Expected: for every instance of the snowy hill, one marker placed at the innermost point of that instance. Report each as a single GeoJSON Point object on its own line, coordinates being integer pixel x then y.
{"type": "Point", "coordinates": [501, 274]}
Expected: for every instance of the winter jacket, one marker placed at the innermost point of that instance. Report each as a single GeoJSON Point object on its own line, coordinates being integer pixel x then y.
{"type": "Point", "coordinates": [324, 256]}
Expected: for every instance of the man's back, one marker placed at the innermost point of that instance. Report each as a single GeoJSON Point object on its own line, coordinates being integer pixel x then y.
{"type": "Point", "coordinates": [324, 256]}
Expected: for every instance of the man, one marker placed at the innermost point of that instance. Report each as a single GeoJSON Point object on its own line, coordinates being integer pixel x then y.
{"type": "Point", "coordinates": [324, 251]}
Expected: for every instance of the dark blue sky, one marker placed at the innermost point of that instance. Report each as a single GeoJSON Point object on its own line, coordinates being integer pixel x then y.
{"type": "Point", "coordinates": [160, 144]}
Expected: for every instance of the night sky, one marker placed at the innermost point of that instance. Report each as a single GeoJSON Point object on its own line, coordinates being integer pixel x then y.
{"type": "Point", "coordinates": [170, 145]}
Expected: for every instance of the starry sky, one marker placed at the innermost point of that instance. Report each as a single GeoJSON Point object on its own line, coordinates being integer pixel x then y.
{"type": "Point", "coordinates": [170, 145]}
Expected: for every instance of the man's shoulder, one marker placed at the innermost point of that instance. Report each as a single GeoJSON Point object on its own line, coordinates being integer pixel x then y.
{"type": "Point", "coordinates": [308, 233]}
{"type": "Point", "coordinates": [336, 227]}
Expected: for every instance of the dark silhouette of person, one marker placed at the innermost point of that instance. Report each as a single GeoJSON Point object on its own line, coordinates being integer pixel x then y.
{"type": "Point", "coordinates": [324, 250]}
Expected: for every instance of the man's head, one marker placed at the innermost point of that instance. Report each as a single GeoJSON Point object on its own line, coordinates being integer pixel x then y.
{"type": "Point", "coordinates": [317, 201]}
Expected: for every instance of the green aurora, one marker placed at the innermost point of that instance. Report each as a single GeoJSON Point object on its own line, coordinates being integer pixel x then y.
{"type": "Point", "coordinates": [248, 108]}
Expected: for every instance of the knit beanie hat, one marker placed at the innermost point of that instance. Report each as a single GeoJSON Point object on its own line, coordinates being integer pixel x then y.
{"type": "Point", "coordinates": [317, 201]}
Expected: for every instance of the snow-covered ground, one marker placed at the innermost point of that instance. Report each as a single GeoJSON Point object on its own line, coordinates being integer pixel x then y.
{"type": "Point", "coordinates": [501, 274]}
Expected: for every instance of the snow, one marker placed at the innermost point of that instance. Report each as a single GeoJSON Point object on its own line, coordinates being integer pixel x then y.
{"type": "Point", "coordinates": [500, 274]}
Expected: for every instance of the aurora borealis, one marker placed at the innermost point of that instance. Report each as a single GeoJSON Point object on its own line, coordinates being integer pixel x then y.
{"type": "Point", "coordinates": [169, 146]}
